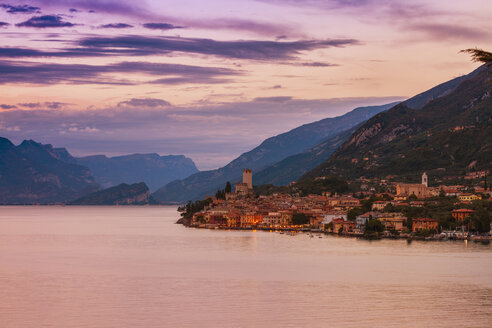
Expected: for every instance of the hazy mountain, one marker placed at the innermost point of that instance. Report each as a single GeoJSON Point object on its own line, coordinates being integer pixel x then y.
{"type": "Point", "coordinates": [32, 173]}
{"type": "Point", "coordinates": [153, 169]}
{"type": "Point", "coordinates": [123, 194]}
{"type": "Point", "coordinates": [451, 133]}
{"type": "Point", "coordinates": [269, 152]}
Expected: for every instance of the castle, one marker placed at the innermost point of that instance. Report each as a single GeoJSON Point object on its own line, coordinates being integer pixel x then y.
{"type": "Point", "coordinates": [419, 190]}
{"type": "Point", "coordinates": [246, 187]}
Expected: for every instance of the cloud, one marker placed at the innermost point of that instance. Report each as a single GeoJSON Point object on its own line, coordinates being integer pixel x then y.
{"type": "Point", "coordinates": [273, 99]}
{"type": "Point", "coordinates": [73, 10]}
{"type": "Point", "coordinates": [167, 45]}
{"type": "Point", "coordinates": [446, 32]}
{"type": "Point", "coordinates": [45, 105]}
{"type": "Point", "coordinates": [46, 21]}
{"type": "Point", "coordinates": [4, 24]}
{"type": "Point", "coordinates": [20, 9]}
{"type": "Point", "coordinates": [46, 73]}
{"type": "Point", "coordinates": [241, 49]}
{"type": "Point", "coordinates": [231, 128]}
{"type": "Point", "coordinates": [116, 25]}
{"type": "Point", "coordinates": [318, 64]}
{"type": "Point", "coordinates": [161, 26]}
{"type": "Point", "coordinates": [6, 106]}
{"type": "Point", "coordinates": [144, 102]}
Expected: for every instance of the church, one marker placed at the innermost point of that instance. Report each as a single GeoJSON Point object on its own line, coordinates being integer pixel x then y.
{"type": "Point", "coordinates": [419, 190]}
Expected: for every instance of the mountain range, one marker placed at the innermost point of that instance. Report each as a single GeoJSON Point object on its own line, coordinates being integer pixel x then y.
{"type": "Point", "coordinates": [32, 173]}
{"type": "Point", "coordinates": [269, 152]}
{"type": "Point", "coordinates": [153, 169]}
{"type": "Point", "coordinates": [447, 128]}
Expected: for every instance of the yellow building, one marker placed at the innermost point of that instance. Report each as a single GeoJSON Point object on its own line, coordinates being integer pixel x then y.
{"type": "Point", "coordinates": [468, 197]}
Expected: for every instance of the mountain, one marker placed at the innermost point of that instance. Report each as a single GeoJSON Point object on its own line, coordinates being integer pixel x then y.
{"type": "Point", "coordinates": [291, 168]}
{"type": "Point", "coordinates": [267, 153]}
{"type": "Point", "coordinates": [153, 169]}
{"type": "Point", "coordinates": [450, 134]}
{"type": "Point", "coordinates": [123, 194]}
{"type": "Point", "coordinates": [32, 173]}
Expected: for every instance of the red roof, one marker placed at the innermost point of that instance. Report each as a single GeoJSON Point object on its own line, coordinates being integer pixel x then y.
{"type": "Point", "coordinates": [426, 220]}
{"type": "Point", "coordinates": [463, 210]}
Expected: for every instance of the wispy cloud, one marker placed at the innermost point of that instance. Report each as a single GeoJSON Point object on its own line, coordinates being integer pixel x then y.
{"type": "Point", "coordinates": [116, 25]}
{"type": "Point", "coordinates": [161, 26]}
{"type": "Point", "coordinates": [4, 24]}
{"type": "Point", "coordinates": [242, 49]}
{"type": "Point", "coordinates": [144, 102]}
{"type": "Point", "coordinates": [44, 73]}
{"type": "Point", "coordinates": [447, 32]}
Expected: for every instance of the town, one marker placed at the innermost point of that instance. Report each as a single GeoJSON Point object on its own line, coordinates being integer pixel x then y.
{"type": "Point", "coordinates": [412, 211]}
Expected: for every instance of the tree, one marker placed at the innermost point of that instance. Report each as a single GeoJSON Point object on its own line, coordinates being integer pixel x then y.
{"type": "Point", "coordinates": [374, 228]}
{"type": "Point", "coordinates": [228, 188]}
{"type": "Point", "coordinates": [479, 55]}
{"type": "Point", "coordinates": [300, 219]}
{"type": "Point", "coordinates": [480, 221]}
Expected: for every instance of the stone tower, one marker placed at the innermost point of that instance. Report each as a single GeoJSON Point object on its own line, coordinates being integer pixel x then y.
{"type": "Point", "coordinates": [425, 181]}
{"type": "Point", "coordinates": [248, 178]}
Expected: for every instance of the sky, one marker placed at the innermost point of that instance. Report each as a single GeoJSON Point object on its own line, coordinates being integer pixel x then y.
{"type": "Point", "coordinates": [212, 79]}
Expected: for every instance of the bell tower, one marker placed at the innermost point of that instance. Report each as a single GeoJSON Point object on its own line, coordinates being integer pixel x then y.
{"type": "Point", "coordinates": [425, 181]}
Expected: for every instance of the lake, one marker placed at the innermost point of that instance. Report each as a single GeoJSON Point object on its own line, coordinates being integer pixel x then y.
{"type": "Point", "coordinates": [133, 267]}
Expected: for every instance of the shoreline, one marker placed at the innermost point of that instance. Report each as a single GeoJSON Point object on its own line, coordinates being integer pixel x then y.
{"type": "Point", "coordinates": [408, 237]}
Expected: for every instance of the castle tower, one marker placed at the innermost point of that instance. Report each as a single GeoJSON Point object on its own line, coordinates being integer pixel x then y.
{"type": "Point", "coordinates": [425, 181]}
{"type": "Point", "coordinates": [248, 178]}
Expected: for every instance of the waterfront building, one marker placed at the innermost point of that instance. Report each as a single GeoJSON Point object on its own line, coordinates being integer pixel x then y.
{"type": "Point", "coordinates": [424, 224]}
{"type": "Point", "coordinates": [343, 226]}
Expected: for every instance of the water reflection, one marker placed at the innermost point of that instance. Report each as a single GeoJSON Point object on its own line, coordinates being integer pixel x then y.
{"type": "Point", "coordinates": [132, 267]}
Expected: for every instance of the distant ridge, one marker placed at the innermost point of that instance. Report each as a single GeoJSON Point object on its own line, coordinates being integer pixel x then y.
{"type": "Point", "coordinates": [123, 194]}
{"type": "Point", "coordinates": [153, 169]}
{"type": "Point", "coordinates": [270, 151]}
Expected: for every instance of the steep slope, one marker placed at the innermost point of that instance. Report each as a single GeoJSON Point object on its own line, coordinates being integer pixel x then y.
{"type": "Point", "coordinates": [123, 194]}
{"type": "Point", "coordinates": [452, 133]}
{"type": "Point", "coordinates": [32, 173]}
{"type": "Point", "coordinates": [291, 168]}
{"type": "Point", "coordinates": [269, 152]}
{"type": "Point", "coordinates": [153, 169]}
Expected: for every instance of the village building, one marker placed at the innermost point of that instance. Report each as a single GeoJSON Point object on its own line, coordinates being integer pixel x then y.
{"type": "Point", "coordinates": [379, 205]}
{"type": "Point", "coordinates": [339, 225]}
{"type": "Point", "coordinates": [468, 197]}
{"type": "Point", "coordinates": [462, 213]}
{"type": "Point", "coordinates": [424, 224]}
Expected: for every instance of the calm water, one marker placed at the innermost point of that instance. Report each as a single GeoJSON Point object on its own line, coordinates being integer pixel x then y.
{"type": "Point", "coordinates": [132, 267]}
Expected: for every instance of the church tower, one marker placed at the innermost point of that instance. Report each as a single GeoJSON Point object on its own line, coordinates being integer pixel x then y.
{"type": "Point", "coordinates": [425, 181]}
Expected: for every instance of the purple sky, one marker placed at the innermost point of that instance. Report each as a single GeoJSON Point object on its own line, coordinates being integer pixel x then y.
{"type": "Point", "coordinates": [211, 79]}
